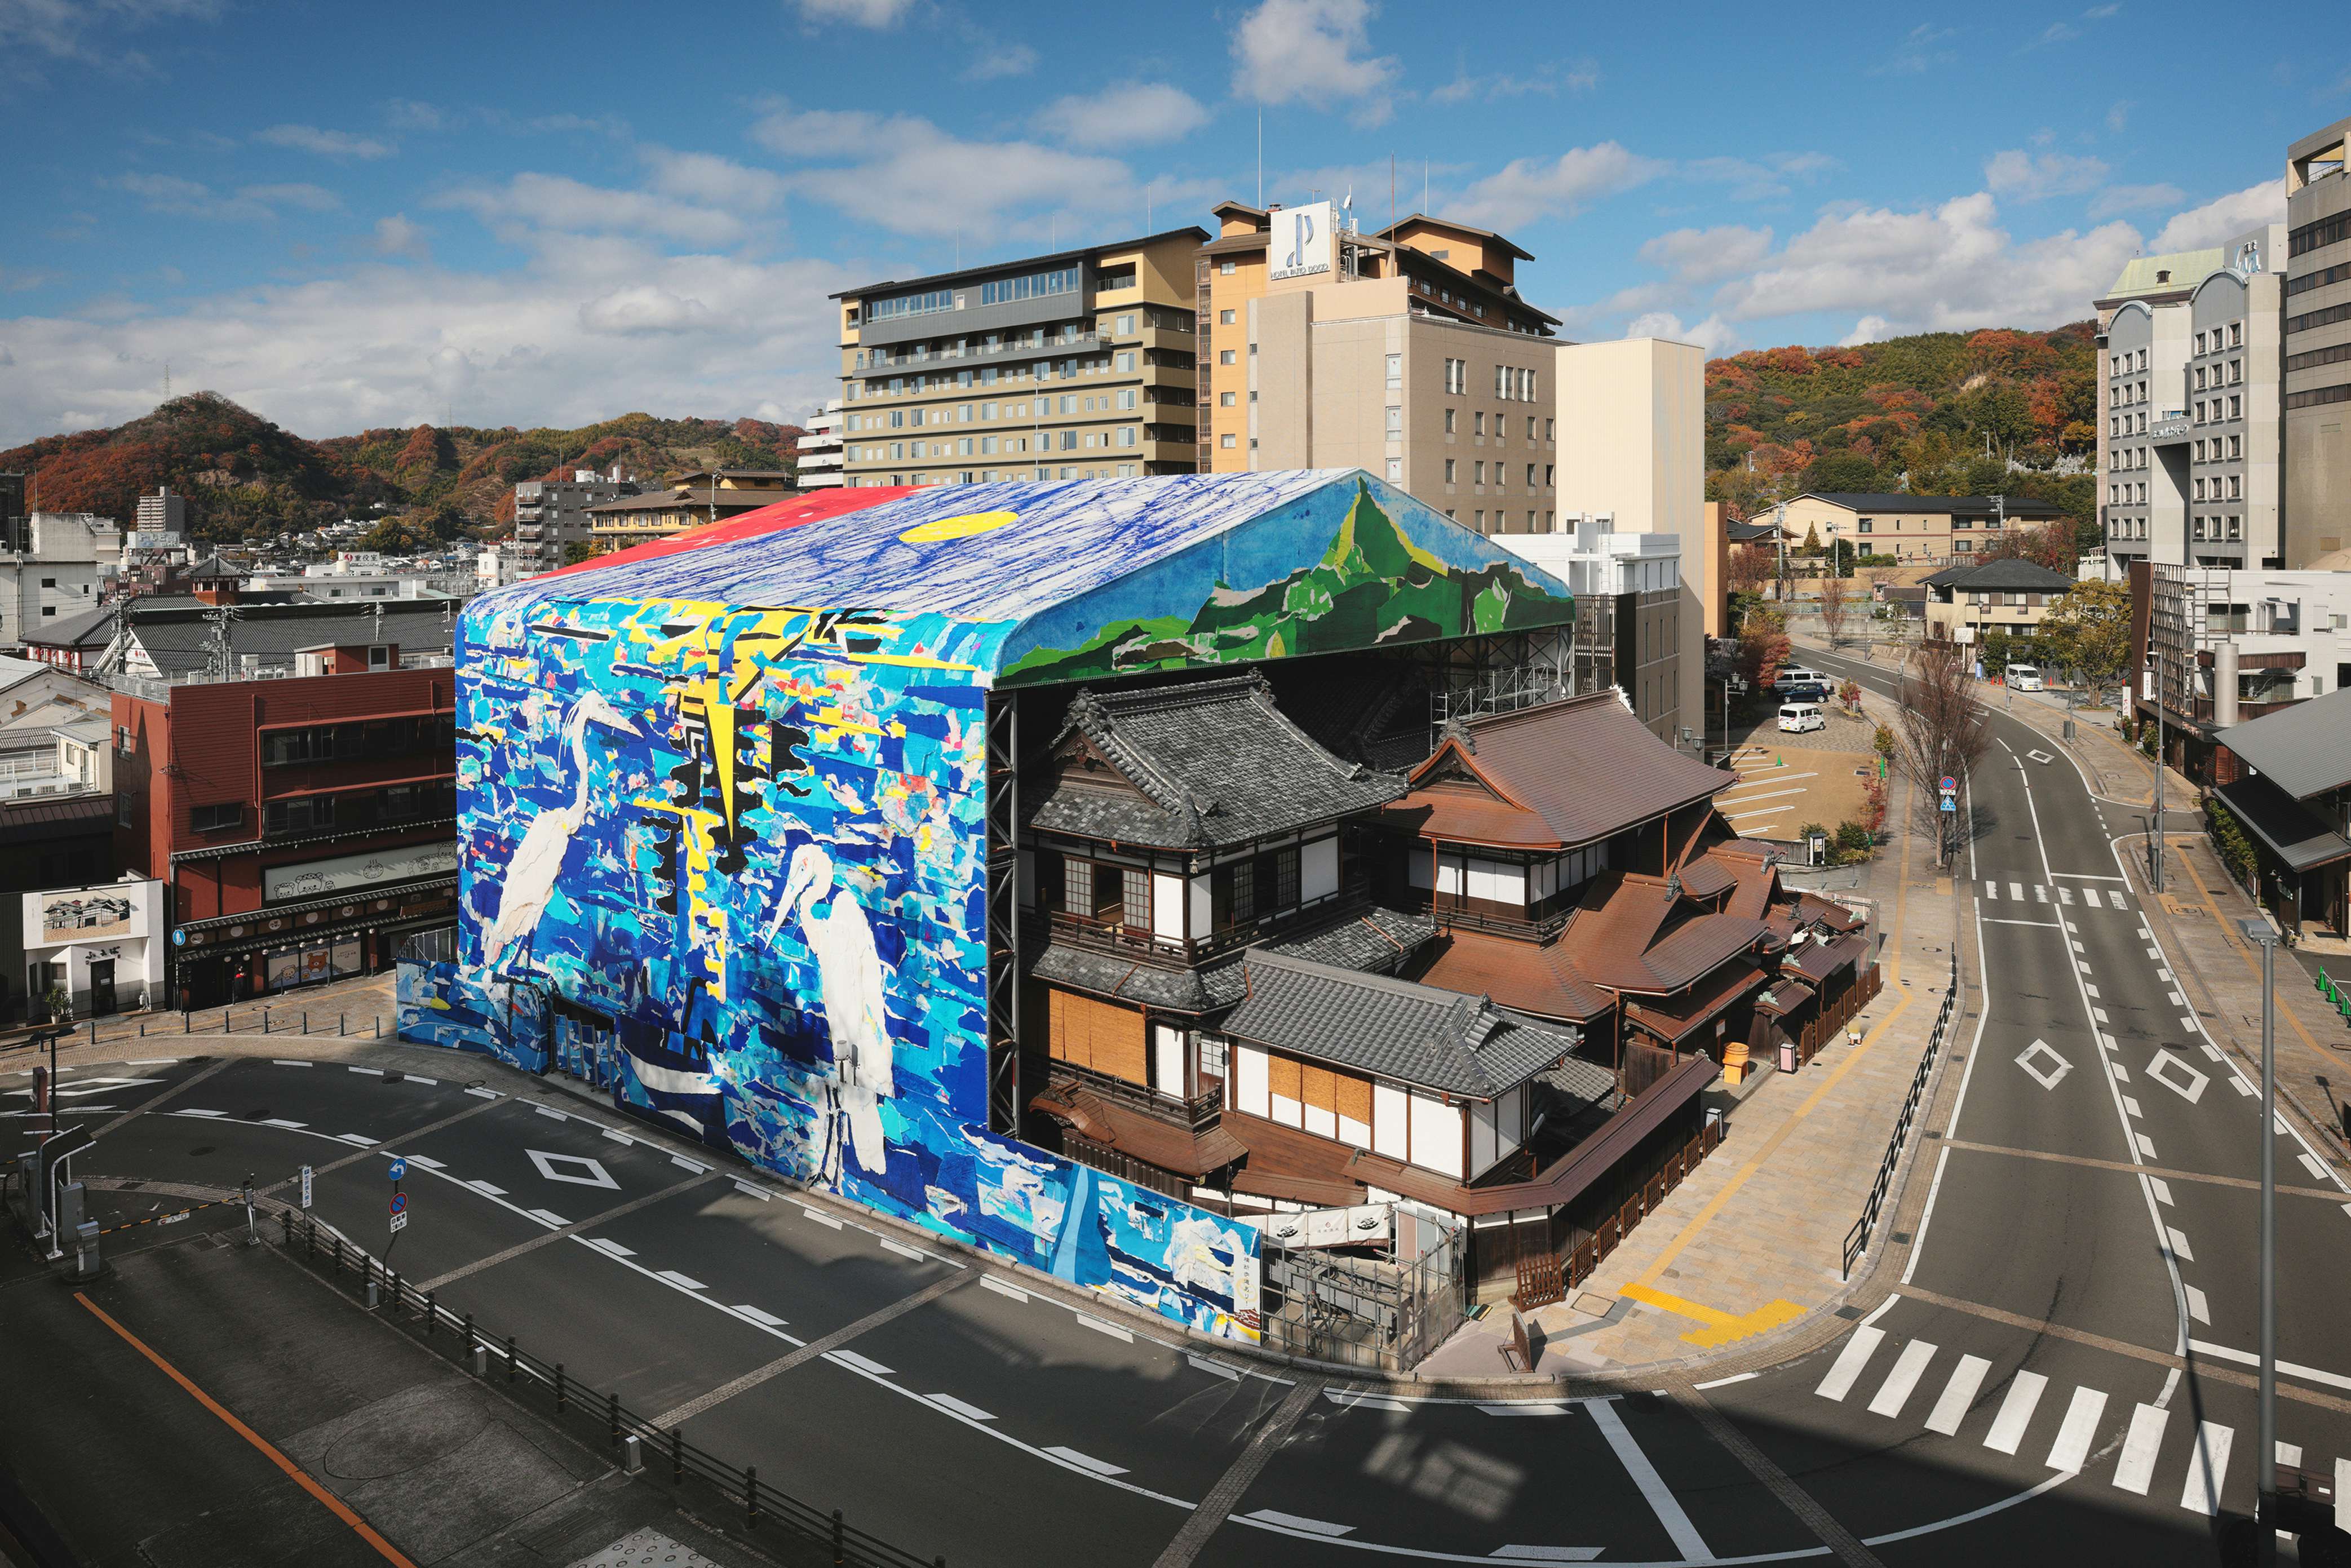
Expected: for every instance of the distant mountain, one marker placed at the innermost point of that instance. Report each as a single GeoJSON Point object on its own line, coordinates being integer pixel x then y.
{"type": "Point", "coordinates": [245, 478]}
{"type": "Point", "coordinates": [1913, 413]}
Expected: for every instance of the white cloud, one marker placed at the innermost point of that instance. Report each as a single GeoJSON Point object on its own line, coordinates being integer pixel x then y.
{"type": "Point", "coordinates": [395, 236]}
{"type": "Point", "coordinates": [995, 61]}
{"type": "Point", "coordinates": [191, 198]}
{"type": "Point", "coordinates": [1948, 268]}
{"type": "Point", "coordinates": [2119, 116]}
{"type": "Point", "coordinates": [1310, 51]}
{"type": "Point", "coordinates": [1550, 78]}
{"type": "Point", "coordinates": [856, 13]}
{"type": "Point", "coordinates": [408, 114]}
{"type": "Point", "coordinates": [2217, 219]}
{"type": "Point", "coordinates": [1769, 174]}
{"type": "Point", "coordinates": [529, 203]}
{"type": "Point", "coordinates": [1920, 50]}
{"type": "Point", "coordinates": [1126, 114]}
{"type": "Point", "coordinates": [1713, 334]}
{"type": "Point", "coordinates": [905, 174]}
{"type": "Point", "coordinates": [1526, 189]}
{"type": "Point", "coordinates": [310, 198]}
{"type": "Point", "coordinates": [2116, 199]}
{"type": "Point", "coordinates": [1868, 329]}
{"type": "Point", "coordinates": [576, 334]}
{"type": "Point", "coordinates": [2030, 177]}
{"type": "Point", "coordinates": [1694, 255]}
{"type": "Point", "coordinates": [325, 143]}
{"type": "Point", "coordinates": [714, 181]}
{"type": "Point", "coordinates": [67, 29]}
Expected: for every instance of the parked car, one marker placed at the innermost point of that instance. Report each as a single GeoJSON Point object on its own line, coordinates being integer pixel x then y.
{"type": "Point", "coordinates": [2024, 677]}
{"type": "Point", "coordinates": [1797, 676]}
{"type": "Point", "coordinates": [1797, 718]}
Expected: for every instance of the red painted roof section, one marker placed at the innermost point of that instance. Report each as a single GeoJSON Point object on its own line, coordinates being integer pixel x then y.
{"type": "Point", "coordinates": [828, 503]}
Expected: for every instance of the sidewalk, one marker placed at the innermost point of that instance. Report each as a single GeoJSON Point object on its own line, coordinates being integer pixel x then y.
{"type": "Point", "coordinates": [1748, 1249]}
{"type": "Point", "coordinates": [361, 1004]}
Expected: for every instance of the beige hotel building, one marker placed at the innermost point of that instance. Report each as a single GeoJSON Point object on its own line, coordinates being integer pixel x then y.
{"type": "Point", "coordinates": [1078, 365]}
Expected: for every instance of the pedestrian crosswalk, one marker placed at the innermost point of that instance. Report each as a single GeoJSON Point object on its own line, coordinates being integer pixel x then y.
{"type": "Point", "coordinates": [1999, 890]}
{"type": "Point", "coordinates": [2014, 1419]}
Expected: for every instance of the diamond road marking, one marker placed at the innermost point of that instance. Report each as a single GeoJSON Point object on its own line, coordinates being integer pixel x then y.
{"type": "Point", "coordinates": [2041, 757]}
{"type": "Point", "coordinates": [591, 1173]}
{"type": "Point", "coordinates": [2048, 1078]}
{"type": "Point", "coordinates": [2176, 1075]}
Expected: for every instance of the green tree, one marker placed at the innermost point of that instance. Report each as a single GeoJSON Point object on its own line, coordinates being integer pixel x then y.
{"type": "Point", "coordinates": [2087, 630]}
{"type": "Point", "coordinates": [1841, 471]}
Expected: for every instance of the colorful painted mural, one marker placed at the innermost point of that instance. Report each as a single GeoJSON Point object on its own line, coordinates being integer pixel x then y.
{"type": "Point", "coordinates": [722, 816]}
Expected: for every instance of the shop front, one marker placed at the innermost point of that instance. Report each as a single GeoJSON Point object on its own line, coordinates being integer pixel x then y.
{"type": "Point", "coordinates": [96, 950]}
{"type": "Point", "coordinates": [237, 957]}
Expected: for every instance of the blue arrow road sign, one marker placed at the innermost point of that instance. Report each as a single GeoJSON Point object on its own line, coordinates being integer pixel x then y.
{"type": "Point", "coordinates": [399, 1167]}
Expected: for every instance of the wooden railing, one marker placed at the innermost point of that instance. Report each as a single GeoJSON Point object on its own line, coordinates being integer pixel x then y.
{"type": "Point", "coordinates": [1548, 1276]}
{"type": "Point", "coordinates": [1824, 1029]}
{"type": "Point", "coordinates": [1199, 1111]}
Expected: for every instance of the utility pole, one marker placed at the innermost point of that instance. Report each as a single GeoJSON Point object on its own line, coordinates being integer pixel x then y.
{"type": "Point", "coordinates": [2262, 934]}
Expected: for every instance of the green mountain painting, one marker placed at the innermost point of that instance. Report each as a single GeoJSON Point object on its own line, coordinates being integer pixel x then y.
{"type": "Point", "coordinates": [1373, 588]}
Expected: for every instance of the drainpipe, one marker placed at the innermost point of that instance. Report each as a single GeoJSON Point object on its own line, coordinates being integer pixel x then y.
{"type": "Point", "coordinates": [2225, 685]}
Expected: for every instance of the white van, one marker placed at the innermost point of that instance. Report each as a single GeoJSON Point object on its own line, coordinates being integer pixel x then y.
{"type": "Point", "coordinates": [2024, 677]}
{"type": "Point", "coordinates": [1797, 718]}
{"type": "Point", "coordinates": [1797, 676]}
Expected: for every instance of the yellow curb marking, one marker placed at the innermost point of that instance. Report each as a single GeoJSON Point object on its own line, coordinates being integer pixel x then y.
{"type": "Point", "coordinates": [1721, 1327]}
{"type": "Point", "coordinates": [1714, 1204]}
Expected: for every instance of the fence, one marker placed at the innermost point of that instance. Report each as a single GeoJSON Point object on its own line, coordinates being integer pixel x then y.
{"type": "Point", "coordinates": [244, 1020]}
{"type": "Point", "coordinates": [1825, 1029]}
{"type": "Point", "coordinates": [1364, 1312]}
{"type": "Point", "coordinates": [1856, 1241]}
{"type": "Point", "coordinates": [758, 1504]}
{"type": "Point", "coordinates": [1589, 1253]}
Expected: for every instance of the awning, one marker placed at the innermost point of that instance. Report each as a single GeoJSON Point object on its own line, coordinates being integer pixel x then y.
{"type": "Point", "coordinates": [2293, 834]}
{"type": "Point", "coordinates": [1782, 997]}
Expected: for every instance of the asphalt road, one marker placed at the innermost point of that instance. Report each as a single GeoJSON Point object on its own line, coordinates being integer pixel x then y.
{"type": "Point", "coordinates": [2064, 1377]}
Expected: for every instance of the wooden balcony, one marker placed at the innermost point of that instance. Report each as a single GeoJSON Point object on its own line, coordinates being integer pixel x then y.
{"type": "Point", "coordinates": [1113, 936]}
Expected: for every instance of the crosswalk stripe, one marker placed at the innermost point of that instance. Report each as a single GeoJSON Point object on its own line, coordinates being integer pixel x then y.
{"type": "Point", "coordinates": [2207, 1463]}
{"type": "Point", "coordinates": [1908, 1366]}
{"type": "Point", "coordinates": [1849, 1362]}
{"type": "Point", "coordinates": [2065, 895]}
{"type": "Point", "coordinates": [2081, 1425]}
{"type": "Point", "coordinates": [2040, 893]}
{"type": "Point", "coordinates": [1992, 890]}
{"type": "Point", "coordinates": [2015, 1411]}
{"type": "Point", "coordinates": [2016, 890]}
{"type": "Point", "coordinates": [1959, 1394]}
{"type": "Point", "coordinates": [2136, 1467]}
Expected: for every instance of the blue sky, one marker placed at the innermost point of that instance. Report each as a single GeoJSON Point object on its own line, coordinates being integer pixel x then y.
{"type": "Point", "coordinates": [348, 215]}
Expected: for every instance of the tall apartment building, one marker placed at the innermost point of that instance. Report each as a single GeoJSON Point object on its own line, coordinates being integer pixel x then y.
{"type": "Point", "coordinates": [820, 457]}
{"type": "Point", "coordinates": [1406, 352]}
{"type": "Point", "coordinates": [1081, 364]}
{"type": "Point", "coordinates": [161, 514]}
{"type": "Point", "coordinates": [2317, 350]}
{"type": "Point", "coordinates": [14, 521]}
{"type": "Point", "coordinates": [552, 513]}
{"type": "Point", "coordinates": [2189, 437]}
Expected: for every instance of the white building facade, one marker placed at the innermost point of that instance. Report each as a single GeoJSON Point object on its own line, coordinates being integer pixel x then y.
{"type": "Point", "coordinates": [62, 573]}
{"type": "Point", "coordinates": [820, 459]}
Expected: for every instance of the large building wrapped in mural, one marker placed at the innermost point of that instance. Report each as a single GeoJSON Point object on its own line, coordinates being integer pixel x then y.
{"type": "Point", "coordinates": [725, 815]}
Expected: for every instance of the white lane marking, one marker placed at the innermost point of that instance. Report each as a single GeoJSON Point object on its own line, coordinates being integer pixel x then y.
{"type": "Point", "coordinates": [1546, 1553]}
{"type": "Point", "coordinates": [280, 1062]}
{"type": "Point", "coordinates": [420, 1078]}
{"type": "Point", "coordinates": [585, 1172]}
{"type": "Point", "coordinates": [903, 1250]}
{"type": "Point", "coordinates": [2100, 1014]}
{"type": "Point", "coordinates": [2077, 947]}
{"type": "Point", "coordinates": [357, 1139]}
{"type": "Point", "coordinates": [2247, 1358]}
{"type": "Point", "coordinates": [763, 1319]}
{"type": "Point", "coordinates": [548, 1217]}
{"type": "Point", "coordinates": [1992, 890]}
{"type": "Point", "coordinates": [747, 1190]}
{"type": "Point", "coordinates": [618, 1136]}
{"type": "Point", "coordinates": [2197, 1307]}
{"type": "Point", "coordinates": [2188, 1023]}
{"type": "Point", "coordinates": [484, 1188]}
{"type": "Point", "coordinates": [990, 1283]}
{"type": "Point", "coordinates": [2208, 1462]}
{"type": "Point", "coordinates": [2015, 1411]}
{"type": "Point", "coordinates": [1767, 812]}
{"type": "Point", "coordinates": [2162, 1190]}
{"type": "Point", "coordinates": [2130, 1105]}
{"type": "Point", "coordinates": [2092, 989]}
{"type": "Point", "coordinates": [2136, 1467]}
{"type": "Point", "coordinates": [1668, 1510]}
{"type": "Point", "coordinates": [2047, 1077]}
{"type": "Point", "coordinates": [2243, 1088]}
{"type": "Point", "coordinates": [1088, 1462]}
{"type": "Point", "coordinates": [480, 1093]}
{"type": "Point", "coordinates": [1749, 800]}
{"type": "Point", "coordinates": [2180, 1247]}
{"type": "Point", "coordinates": [1734, 1377]}
{"type": "Point", "coordinates": [1527, 1409]}
{"type": "Point", "coordinates": [682, 1281]}
{"type": "Point", "coordinates": [2214, 1052]}
{"type": "Point", "coordinates": [2065, 895]}
{"type": "Point", "coordinates": [861, 1362]}
{"type": "Point", "coordinates": [192, 1112]}
{"type": "Point", "coordinates": [1199, 1363]}
{"type": "Point", "coordinates": [1908, 1368]}
{"type": "Point", "coordinates": [606, 1245]}
{"type": "Point", "coordinates": [757, 1320]}
{"type": "Point", "coordinates": [2174, 1074]}
{"type": "Point", "coordinates": [550, 1113]}
{"type": "Point", "coordinates": [281, 1122]}
{"type": "Point", "coordinates": [1958, 1395]}
{"type": "Point", "coordinates": [2045, 925]}
{"type": "Point", "coordinates": [2312, 1166]}
{"type": "Point", "coordinates": [2145, 1144]}
{"type": "Point", "coordinates": [2090, 897]}
{"type": "Point", "coordinates": [2071, 1447]}
{"type": "Point", "coordinates": [822, 1218]}
{"type": "Point", "coordinates": [1347, 1400]}
{"type": "Point", "coordinates": [682, 1162]}
{"type": "Point", "coordinates": [2122, 1073]}
{"type": "Point", "coordinates": [427, 1161]}
{"type": "Point", "coordinates": [370, 1071]}
{"type": "Point", "coordinates": [2040, 893]}
{"type": "Point", "coordinates": [1298, 1523]}
{"type": "Point", "coordinates": [2082, 876]}
{"type": "Point", "coordinates": [2157, 953]}
{"type": "Point", "coordinates": [1887, 1305]}
{"type": "Point", "coordinates": [2016, 891]}
{"type": "Point", "coordinates": [1099, 1326]}
{"type": "Point", "coordinates": [1849, 1362]}
{"type": "Point", "coordinates": [949, 1402]}
{"type": "Point", "coordinates": [2174, 999]}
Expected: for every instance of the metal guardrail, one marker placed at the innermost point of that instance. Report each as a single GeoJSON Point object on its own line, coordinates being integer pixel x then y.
{"type": "Point", "coordinates": [275, 1018]}
{"type": "Point", "coordinates": [634, 1440]}
{"type": "Point", "coordinates": [1856, 1241]}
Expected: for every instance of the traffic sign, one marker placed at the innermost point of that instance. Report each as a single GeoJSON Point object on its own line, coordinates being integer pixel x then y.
{"type": "Point", "coordinates": [399, 1167]}
{"type": "Point", "coordinates": [305, 1187]}
{"type": "Point", "coordinates": [399, 1204]}
{"type": "Point", "coordinates": [399, 1223]}
{"type": "Point", "coordinates": [1951, 804]}
{"type": "Point", "coordinates": [1949, 784]}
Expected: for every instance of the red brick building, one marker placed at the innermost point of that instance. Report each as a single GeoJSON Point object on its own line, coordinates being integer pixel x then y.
{"type": "Point", "coordinates": [305, 825]}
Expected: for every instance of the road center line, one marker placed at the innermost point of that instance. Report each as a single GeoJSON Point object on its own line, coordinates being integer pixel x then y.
{"type": "Point", "coordinates": [2162, 1173]}
{"type": "Point", "coordinates": [519, 1247]}
{"type": "Point", "coordinates": [1210, 1514]}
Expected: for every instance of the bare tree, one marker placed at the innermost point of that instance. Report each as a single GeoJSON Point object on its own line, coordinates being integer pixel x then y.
{"type": "Point", "coordinates": [1942, 732]}
{"type": "Point", "coordinates": [1751, 565]}
{"type": "Point", "coordinates": [1837, 605]}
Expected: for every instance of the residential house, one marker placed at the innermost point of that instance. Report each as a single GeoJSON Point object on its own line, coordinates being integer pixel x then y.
{"type": "Point", "coordinates": [1966, 602]}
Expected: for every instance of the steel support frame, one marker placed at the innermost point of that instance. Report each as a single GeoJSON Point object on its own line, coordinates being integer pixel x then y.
{"type": "Point", "coordinates": [1005, 1100]}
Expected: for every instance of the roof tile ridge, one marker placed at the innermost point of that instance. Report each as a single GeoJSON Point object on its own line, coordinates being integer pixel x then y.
{"type": "Point", "coordinates": [1262, 695]}
{"type": "Point", "coordinates": [1086, 711]}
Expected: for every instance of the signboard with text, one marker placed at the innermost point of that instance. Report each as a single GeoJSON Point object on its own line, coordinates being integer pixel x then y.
{"type": "Point", "coordinates": [1301, 242]}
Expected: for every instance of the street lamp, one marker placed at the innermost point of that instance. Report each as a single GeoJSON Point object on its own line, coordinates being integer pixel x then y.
{"type": "Point", "coordinates": [2262, 934]}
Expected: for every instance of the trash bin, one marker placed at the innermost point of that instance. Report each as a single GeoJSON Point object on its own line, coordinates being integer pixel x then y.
{"type": "Point", "coordinates": [1787, 1056]}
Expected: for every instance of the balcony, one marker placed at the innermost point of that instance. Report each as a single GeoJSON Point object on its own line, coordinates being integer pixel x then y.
{"type": "Point", "coordinates": [1189, 952]}
{"type": "Point", "coordinates": [877, 364]}
{"type": "Point", "coordinates": [1196, 1114]}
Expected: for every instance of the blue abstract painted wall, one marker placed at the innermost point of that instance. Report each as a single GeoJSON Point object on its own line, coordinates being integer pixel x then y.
{"type": "Point", "coordinates": [722, 817]}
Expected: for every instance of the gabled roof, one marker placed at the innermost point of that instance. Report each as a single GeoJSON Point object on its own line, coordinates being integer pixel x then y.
{"type": "Point", "coordinates": [1628, 934]}
{"type": "Point", "coordinates": [2297, 838]}
{"type": "Point", "coordinates": [1373, 940]}
{"type": "Point", "coordinates": [2011, 575]}
{"type": "Point", "coordinates": [1209, 762]}
{"type": "Point", "coordinates": [1412, 1034]}
{"type": "Point", "coordinates": [1425, 221]}
{"type": "Point", "coordinates": [2016, 507]}
{"type": "Point", "coordinates": [2305, 749]}
{"type": "Point", "coordinates": [1030, 583]}
{"type": "Point", "coordinates": [1556, 775]}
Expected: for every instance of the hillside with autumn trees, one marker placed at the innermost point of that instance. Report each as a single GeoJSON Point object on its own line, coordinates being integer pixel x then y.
{"type": "Point", "coordinates": [245, 478]}
{"type": "Point", "coordinates": [1943, 413]}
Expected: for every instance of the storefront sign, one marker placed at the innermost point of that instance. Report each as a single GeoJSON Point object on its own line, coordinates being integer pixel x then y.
{"type": "Point", "coordinates": [1301, 241]}
{"type": "Point", "coordinates": [315, 879]}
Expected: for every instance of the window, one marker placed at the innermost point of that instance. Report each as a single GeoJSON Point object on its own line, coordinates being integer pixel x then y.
{"type": "Point", "coordinates": [1225, 318]}
{"type": "Point", "coordinates": [1531, 424]}
{"type": "Point", "coordinates": [1457, 371]}
{"type": "Point", "coordinates": [1226, 441]}
{"type": "Point", "coordinates": [1548, 425]}
{"type": "Point", "coordinates": [1452, 469]}
{"type": "Point", "coordinates": [1531, 476]}
{"type": "Point", "coordinates": [1396, 422]}
{"type": "Point", "coordinates": [1865, 525]}
{"type": "Point", "coordinates": [1452, 421]}
{"type": "Point", "coordinates": [215, 819]}
{"type": "Point", "coordinates": [1478, 424]}
{"type": "Point", "coordinates": [1395, 470]}
{"type": "Point", "coordinates": [1395, 370]}
{"type": "Point", "coordinates": [1126, 326]}
{"type": "Point", "coordinates": [1480, 474]}
{"type": "Point", "coordinates": [1225, 357]}
{"type": "Point", "coordinates": [1224, 400]}
{"type": "Point", "coordinates": [1226, 267]}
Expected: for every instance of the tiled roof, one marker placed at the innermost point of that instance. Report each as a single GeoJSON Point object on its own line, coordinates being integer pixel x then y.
{"type": "Point", "coordinates": [1211, 762]}
{"type": "Point", "coordinates": [1706, 876]}
{"type": "Point", "coordinates": [1585, 766]}
{"type": "Point", "coordinates": [2011, 575]}
{"type": "Point", "coordinates": [1619, 936]}
{"type": "Point", "coordinates": [1135, 1133]}
{"type": "Point", "coordinates": [2016, 507]}
{"type": "Point", "coordinates": [1684, 1015]}
{"type": "Point", "coordinates": [1394, 1029]}
{"type": "Point", "coordinates": [181, 640]}
{"type": "Point", "coordinates": [1374, 940]}
{"type": "Point", "coordinates": [1538, 979]}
